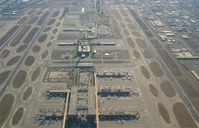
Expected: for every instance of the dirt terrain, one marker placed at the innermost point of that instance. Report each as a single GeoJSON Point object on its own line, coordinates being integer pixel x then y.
{"type": "Point", "coordinates": [42, 38]}
{"type": "Point", "coordinates": [44, 54]}
{"type": "Point", "coordinates": [36, 48]}
{"type": "Point", "coordinates": [130, 42]}
{"type": "Point", "coordinates": [147, 54]}
{"type": "Point", "coordinates": [47, 29]}
{"type": "Point", "coordinates": [155, 68]}
{"type": "Point", "coordinates": [136, 54]}
{"type": "Point", "coordinates": [3, 76]}
{"type": "Point", "coordinates": [136, 34]}
{"type": "Point", "coordinates": [21, 48]}
{"type": "Point", "coordinates": [58, 24]}
{"type": "Point", "coordinates": [29, 61]}
{"type": "Point", "coordinates": [5, 53]}
{"type": "Point", "coordinates": [183, 117]}
{"type": "Point", "coordinates": [36, 74]}
{"type": "Point", "coordinates": [50, 22]}
{"type": "Point", "coordinates": [153, 90]}
{"type": "Point", "coordinates": [131, 26]}
{"type": "Point", "coordinates": [27, 93]}
{"type": "Point", "coordinates": [55, 31]}
{"type": "Point", "coordinates": [168, 89]}
{"type": "Point", "coordinates": [141, 43]}
{"type": "Point", "coordinates": [164, 113]}
{"type": "Point", "coordinates": [13, 61]}
{"type": "Point", "coordinates": [169, 61]}
{"type": "Point", "coordinates": [6, 105]}
{"type": "Point", "coordinates": [19, 79]}
{"type": "Point", "coordinates": [17, 116]}
{"type": "Point", "coordinates": [145, 72]}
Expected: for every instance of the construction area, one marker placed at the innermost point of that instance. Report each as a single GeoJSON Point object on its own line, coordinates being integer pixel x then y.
{"type": "Point", "coordinates": [91, 64]}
